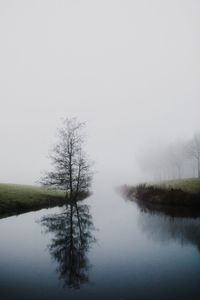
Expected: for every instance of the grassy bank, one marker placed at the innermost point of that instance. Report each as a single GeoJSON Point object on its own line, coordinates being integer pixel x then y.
{"type": "Point", "coordinates": [184, 192]}
{"type": "Point", "coordinates": [191, 185]}
{"type": "Point", "coordinates": [21, 198]}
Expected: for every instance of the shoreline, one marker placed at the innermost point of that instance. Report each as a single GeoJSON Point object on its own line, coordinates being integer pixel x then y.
{"type": "Point", "coordinates": [178, 193]}
{"type": "Point", "coordinates": [16, 199]}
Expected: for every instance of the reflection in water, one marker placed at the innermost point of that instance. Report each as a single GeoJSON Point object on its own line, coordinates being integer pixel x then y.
{"type": "Point", "coordinates": [169, 223]}
{"type": "Point", "coordinates": [72, 232]}
{"type": "Point", "coordinates": [163, 228]}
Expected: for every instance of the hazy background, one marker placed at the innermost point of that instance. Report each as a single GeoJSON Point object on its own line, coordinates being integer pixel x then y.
{"type": "Point", "coordinates": [131, 69]}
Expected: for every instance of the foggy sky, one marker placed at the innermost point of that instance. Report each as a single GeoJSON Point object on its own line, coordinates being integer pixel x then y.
{"type": "Point", "coordinates": [131, 69]}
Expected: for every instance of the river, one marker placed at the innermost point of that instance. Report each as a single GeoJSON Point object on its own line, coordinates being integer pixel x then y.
{"type": "Point", "coordinates": [106, 248]}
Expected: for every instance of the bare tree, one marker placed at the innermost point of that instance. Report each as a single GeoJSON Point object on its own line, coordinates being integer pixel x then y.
{"type": "Point", "coordinates": [167, 162]}
{"type": "Point", "coordinates": [176, 158]}
{"type": "Point", "coordinates": [71, 166]}
{"type": "Point", "coordinates": [193, 150]}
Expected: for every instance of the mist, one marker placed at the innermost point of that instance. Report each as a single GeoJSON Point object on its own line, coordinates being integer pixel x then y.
{"type": "Point", "coordinates": [130, 69]}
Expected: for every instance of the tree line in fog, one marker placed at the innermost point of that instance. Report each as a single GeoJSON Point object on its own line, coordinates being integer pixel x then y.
{"type": "Point", "coordinates": [180, 159]}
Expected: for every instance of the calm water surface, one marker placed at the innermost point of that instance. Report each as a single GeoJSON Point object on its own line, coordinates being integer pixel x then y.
{"type": "Point", "coordinates": [105, 248]}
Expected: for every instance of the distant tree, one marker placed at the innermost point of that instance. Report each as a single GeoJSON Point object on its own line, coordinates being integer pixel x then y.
{"type": "Point", "coordinates": [71, 166]}
{"type": "Point", "coordinates": [176, 157]}
{"type": "Point", "coordinates": [193, 149]}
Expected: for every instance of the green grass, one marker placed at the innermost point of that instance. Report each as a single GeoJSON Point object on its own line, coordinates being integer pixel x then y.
{"type": "Point", "coordinates": [185, 192]}
{"type": "Point", "coordinates": [191, 185]}
{"type": "Point", "coordinates": [16, 198]}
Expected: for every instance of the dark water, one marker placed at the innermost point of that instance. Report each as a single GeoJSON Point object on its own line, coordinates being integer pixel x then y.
{"type": "Point", "coordinates": [106, 248]}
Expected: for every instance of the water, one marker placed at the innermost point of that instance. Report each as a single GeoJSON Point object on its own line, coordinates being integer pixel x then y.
{"type": "Point", "coordinates": [120, 251]}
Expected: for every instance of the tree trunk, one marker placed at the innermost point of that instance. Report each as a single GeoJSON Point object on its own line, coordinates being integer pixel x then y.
{"type": "Point", "coordinates": [179, 173]}
{"type": "Point", "coordinates": [78, 181]}
{"type": "Point", "coordinates": [70, 175]}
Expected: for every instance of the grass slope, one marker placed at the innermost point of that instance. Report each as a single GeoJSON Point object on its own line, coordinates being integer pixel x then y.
{"type": "Point", "coordinates": [18, 198]}
{"type": "Point", "coordinates": [191, 185]}
{"type": "Point", "coordinates": [184, 192]}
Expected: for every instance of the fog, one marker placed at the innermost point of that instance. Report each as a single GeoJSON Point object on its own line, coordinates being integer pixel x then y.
{"type": "Point", "coordinates": [130, 69]}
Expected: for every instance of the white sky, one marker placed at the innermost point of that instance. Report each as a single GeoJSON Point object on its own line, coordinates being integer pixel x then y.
{"type": "Point", "coordinates": [131, 69]}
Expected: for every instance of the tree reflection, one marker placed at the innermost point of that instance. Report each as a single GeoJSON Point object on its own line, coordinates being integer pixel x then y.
{"type": "Point", "coordinates": [165, 224]}
{"type": "Point", "coordinates": [73, 236]}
